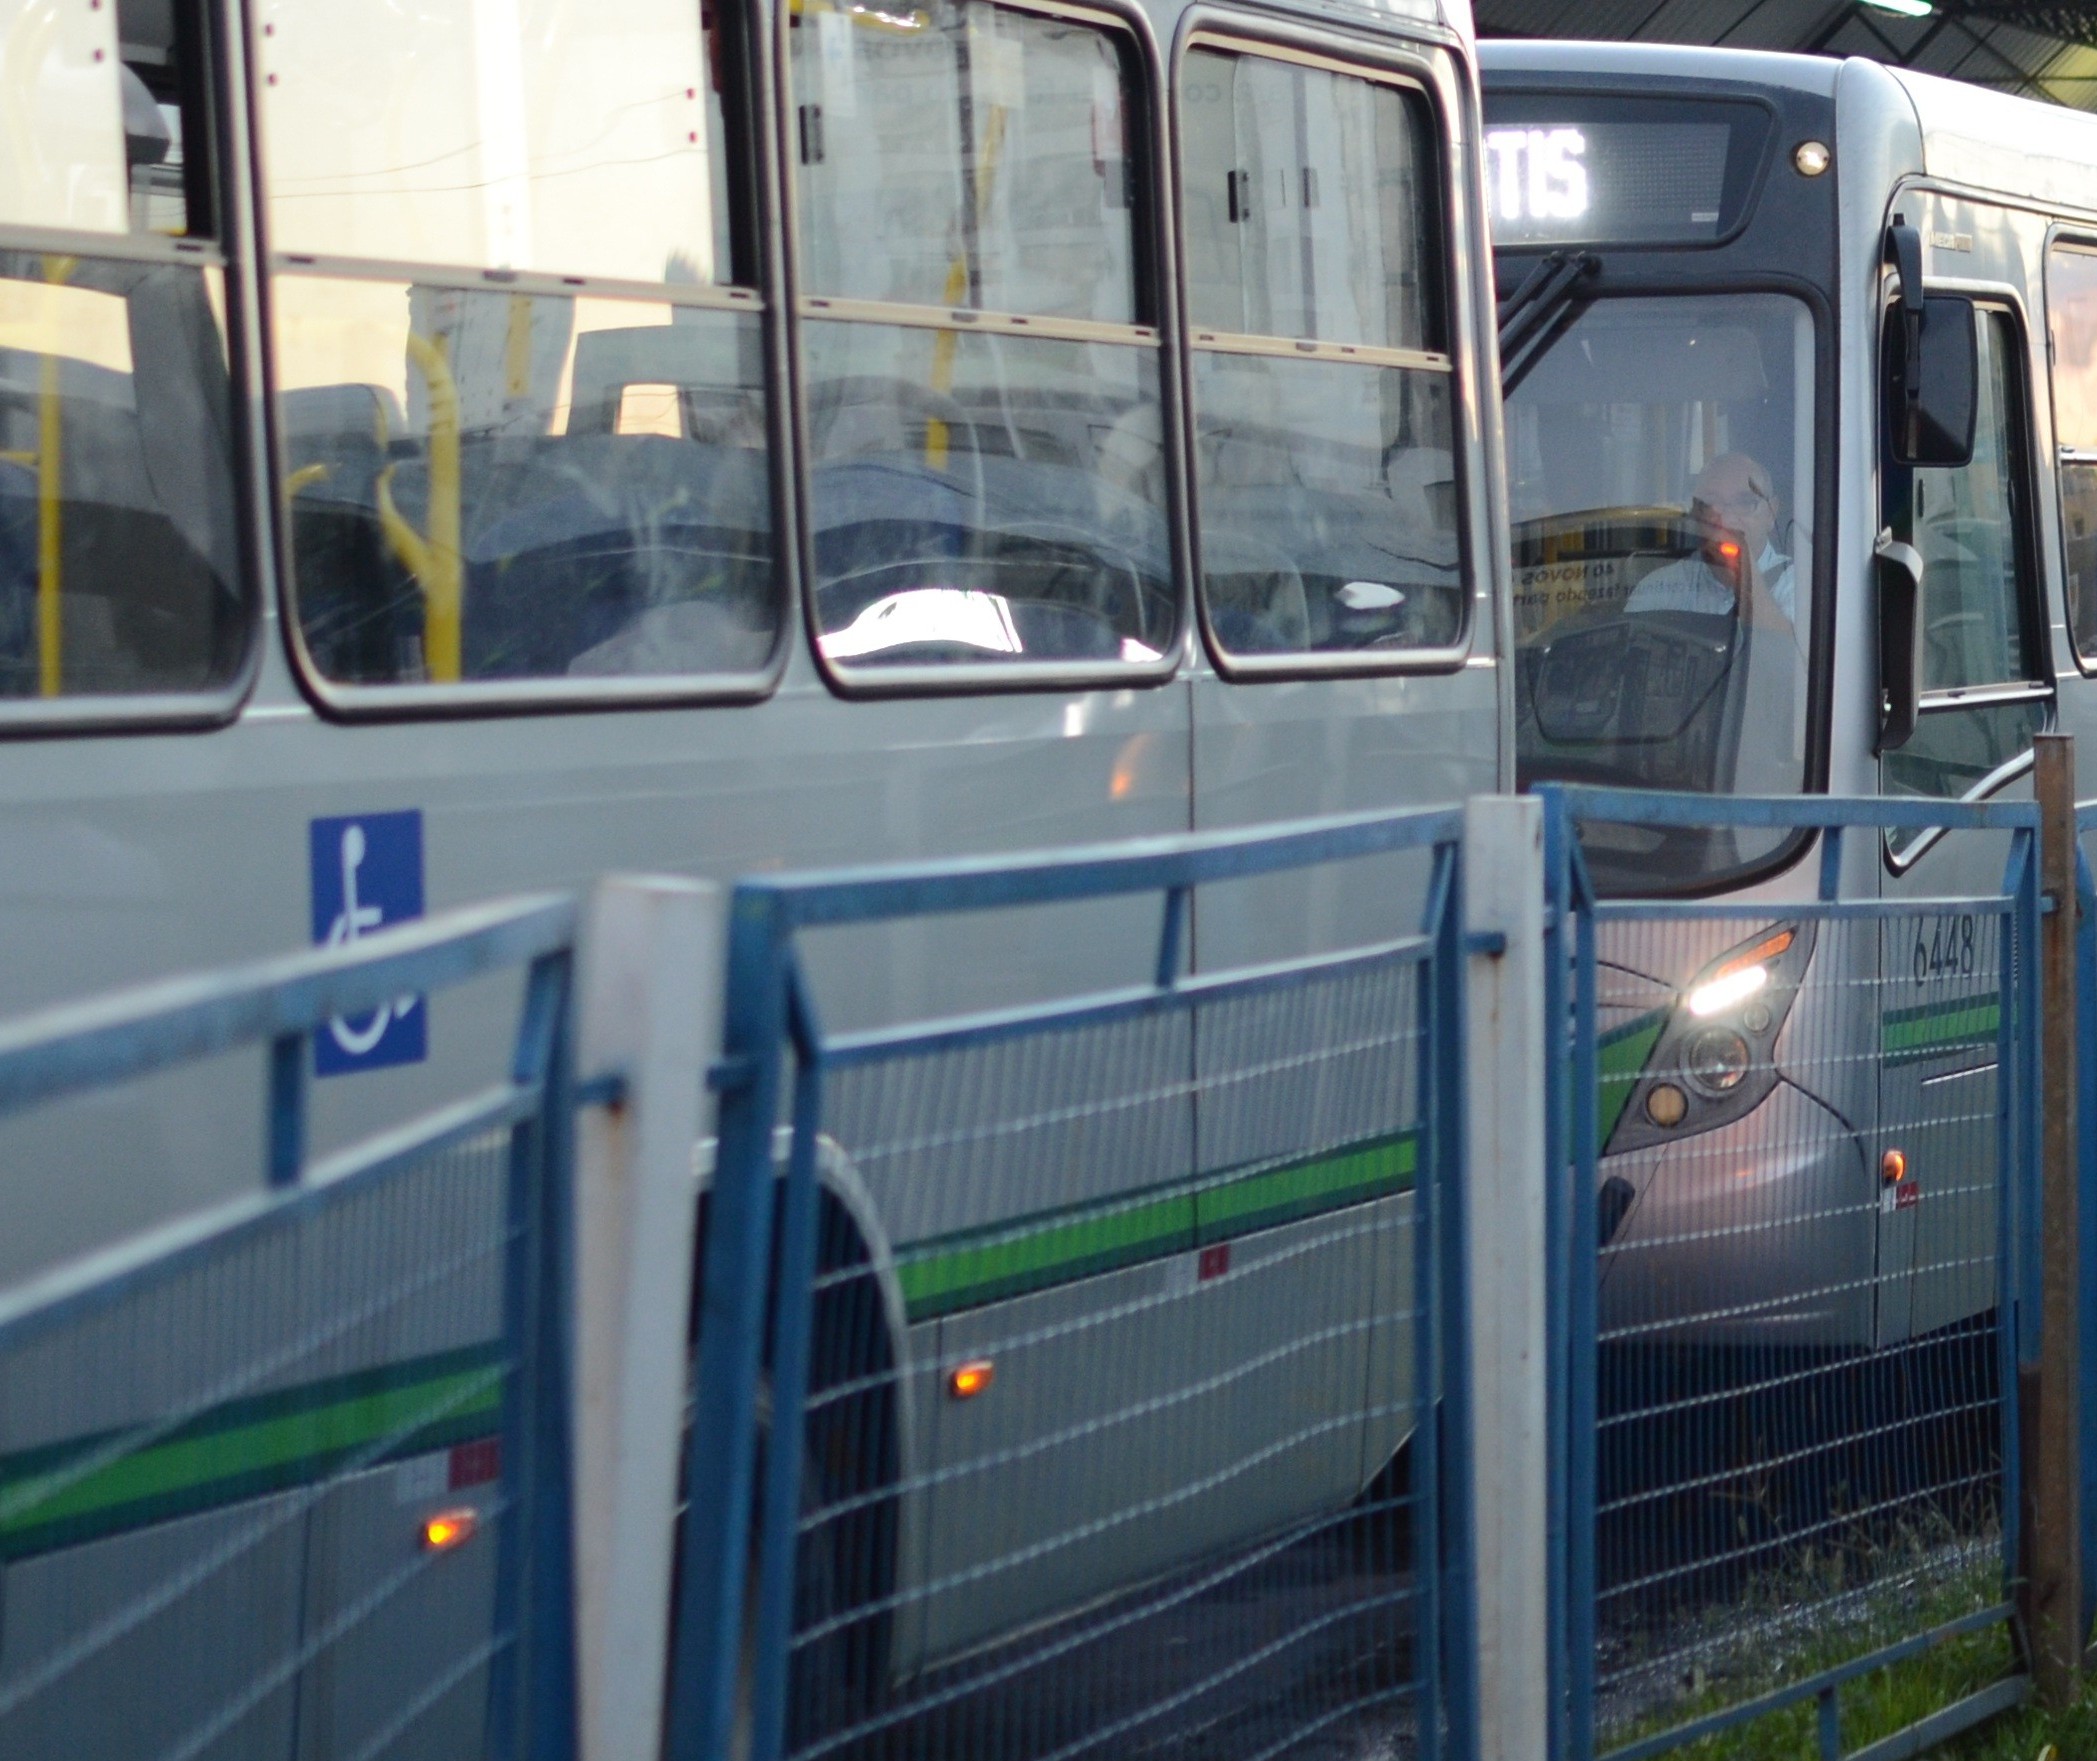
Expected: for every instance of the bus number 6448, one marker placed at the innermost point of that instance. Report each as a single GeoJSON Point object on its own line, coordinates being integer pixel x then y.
{"type": "Point", "coordinates": [1944, 948]}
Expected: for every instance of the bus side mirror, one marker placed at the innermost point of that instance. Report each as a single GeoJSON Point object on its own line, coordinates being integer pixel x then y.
{"type": "Point", "coordinates": [1933, 371]}
{"type": "Point", "coordinates": [1898, 568]}
{"type": "Point", "coordinates": [1935, 387]}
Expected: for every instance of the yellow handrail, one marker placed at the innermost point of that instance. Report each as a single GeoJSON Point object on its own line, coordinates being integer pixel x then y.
{"type": "Point", "coordinates": [944, 342]}
{"type": "Point", "coordinates": [50, 506]}
{"type": "Point", "coordinates": [436, 562]}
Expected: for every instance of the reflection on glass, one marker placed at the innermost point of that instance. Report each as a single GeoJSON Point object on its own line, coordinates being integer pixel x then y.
{"type": "Point", "coordinates": [1965, 522]}
{"type": "Point", "coordinates": [513, 134]}
{"type": "Point", "coordinates": [1328, 506]}
{"type": "Point", "coordinates": [491, 486]}
{"type": "Point", "coordinates": [1953, 751]}
{"type": "Point", "coordinates": [1017, 515]}
{"type": "Point", "coordinates": [90, 108]}
{"type": "Point", "coordinates": [2079, 538]}
{"type": "Point", "coordinates": [2071, 310]}
{"type": "Point", "coordinates": [1661, 465]}
{"type": "Point", "coordinates": [118, 563]}
{"type": "Point", "coordinates": [1308, 204]}
{"type": "Point", "coordinates": [959, 155]}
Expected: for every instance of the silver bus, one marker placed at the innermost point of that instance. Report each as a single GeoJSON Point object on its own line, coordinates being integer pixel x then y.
{"type": "Point", "coordinates": [461, 446]}
{"type": "Point", "coordinates": [1747, 561]}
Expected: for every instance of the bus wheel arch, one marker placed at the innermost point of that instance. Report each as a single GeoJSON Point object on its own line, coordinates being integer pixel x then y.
{"type": "Point", "coordinates": [858, 1447]}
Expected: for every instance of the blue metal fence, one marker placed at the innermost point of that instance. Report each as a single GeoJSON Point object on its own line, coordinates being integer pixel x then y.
{"type": "Point", "coordinates": [1093, 1366]}
{"type": "Point", "coordinates": [1798, 1142]}
{"type": "Point", "coordinates": [289, 1476]}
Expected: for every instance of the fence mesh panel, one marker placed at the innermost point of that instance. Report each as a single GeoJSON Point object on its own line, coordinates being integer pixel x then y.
{"type": "Point", "coordinates": [1175, 1256]}
{"type": "Point", "coordinates": [1799, 1454]}
{"type": "Point", "coordinates": [214, 1482]}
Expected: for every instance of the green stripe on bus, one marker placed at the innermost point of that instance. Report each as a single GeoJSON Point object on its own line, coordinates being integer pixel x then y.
{"type": "Point", "coordinates": [59, 1495]}
{"type": "Point", "coordinates": [1930, 1029]}
{"type": "Point", "coordinates": [994, 1265]}
{"type": "Point", "coordinates": [1620, 1060]}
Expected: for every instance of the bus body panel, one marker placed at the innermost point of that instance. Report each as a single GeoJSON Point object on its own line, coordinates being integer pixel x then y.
{"type": "Point", "coordinates": [138, 854]}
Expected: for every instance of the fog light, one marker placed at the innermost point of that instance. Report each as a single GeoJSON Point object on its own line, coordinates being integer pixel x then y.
{"type": "Point", "coordinates": [1666, 1105]}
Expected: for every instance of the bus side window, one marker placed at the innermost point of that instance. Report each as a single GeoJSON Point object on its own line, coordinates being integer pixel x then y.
{"type": "Point", "coordinates": [983, 383]}
{"type": "Point", "coordinates": [539, 452]}
{"type": "Point", "coordinates": [119, 564]}
{"type": "Point", "coordinates": [1323, 390]}
{"type": "Point", "coordinates": [2071, 309]}
{"type": "Point", "coordinates": [1972, 526]}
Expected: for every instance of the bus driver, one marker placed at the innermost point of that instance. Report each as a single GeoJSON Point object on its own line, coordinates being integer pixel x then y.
{"type": "Point", "coordinates": [1737, 566]}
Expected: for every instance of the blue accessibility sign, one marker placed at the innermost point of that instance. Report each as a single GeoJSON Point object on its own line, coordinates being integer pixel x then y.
{"type": "Point", "coordinates": [367, 873]}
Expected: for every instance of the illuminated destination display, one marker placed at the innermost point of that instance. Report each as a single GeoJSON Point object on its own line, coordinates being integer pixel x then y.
{"type": "Point", "coordinates": [1605, 180]}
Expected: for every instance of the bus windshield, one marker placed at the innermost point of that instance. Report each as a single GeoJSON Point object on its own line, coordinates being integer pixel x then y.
{"type": "Point", "coordinates": [1660, 464]}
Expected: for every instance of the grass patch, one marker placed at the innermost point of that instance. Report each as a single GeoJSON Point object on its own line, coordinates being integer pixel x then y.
{"type": "Point", "coordinates": [1807, 1616]}
{"type": "Point", "coordinates": [2027, 1733]}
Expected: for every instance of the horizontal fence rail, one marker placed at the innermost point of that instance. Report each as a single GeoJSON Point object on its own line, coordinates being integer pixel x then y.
{"type": "Point", "coordinates": [1799, 1147]}
{"type": "Point", "coordinates": [288, 1476]}
{"type": "Point", "coordinates": [1081, 1357]}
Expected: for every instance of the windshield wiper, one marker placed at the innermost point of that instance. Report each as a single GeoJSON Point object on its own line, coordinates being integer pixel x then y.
{"type": "Point", "coordinates": [1529, 315]}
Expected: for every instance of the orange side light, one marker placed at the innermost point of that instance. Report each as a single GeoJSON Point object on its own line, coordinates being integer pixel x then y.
{"type": "Point", "coordinates": [970, 1379]}
{"type": "Point", "coordinates": [1767, 949]}
{"type": "Point", "coordinates": [1893, 1167]}
{"type": "Point", "coordinates": [449, 1529]}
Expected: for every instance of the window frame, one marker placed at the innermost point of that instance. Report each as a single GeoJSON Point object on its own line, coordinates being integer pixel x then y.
{"type": "Point", "coordinates": [1991, 299]}
{"type": "Point", "coordinates": [2084, 241]}
{"type": "Point", "coordinates": [1411, 68]}
{"type": "Point", "coordinates": [751, 189]}
{"type": "Point", "coordinates": [1154, 262]}
{"type": "Point", "coordinates": [215, 184]}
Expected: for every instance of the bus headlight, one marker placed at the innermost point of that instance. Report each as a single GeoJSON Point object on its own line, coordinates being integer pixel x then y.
{"type": "Point", "coordinates": [1711, 1058]}
{"type": "Point", "coordinates": [1718, 1061]}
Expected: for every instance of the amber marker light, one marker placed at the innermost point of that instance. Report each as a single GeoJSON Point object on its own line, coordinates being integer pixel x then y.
{"type": "Point", "coordinates": [1665, 1105]}
{"type": "Point", "coordinates": [1893, 1167]}
{"type": "Point", "coordinates": [449, 1529]}
{"type": "Point", "coordinates": [968, 1380]}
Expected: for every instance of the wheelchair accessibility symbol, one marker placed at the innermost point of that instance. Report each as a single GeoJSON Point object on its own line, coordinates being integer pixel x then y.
{"type": "Point", "coordinates": [366, 875]}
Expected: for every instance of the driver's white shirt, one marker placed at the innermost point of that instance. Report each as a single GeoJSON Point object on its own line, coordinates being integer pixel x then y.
{"type": "Point", "coordinates": [1691, 584]}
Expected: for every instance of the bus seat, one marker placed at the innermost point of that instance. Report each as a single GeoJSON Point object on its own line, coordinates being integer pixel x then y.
{"type": "Point", "coordinates": [576, 539]}
{"type": "Point", "coordinates": [718, 355]}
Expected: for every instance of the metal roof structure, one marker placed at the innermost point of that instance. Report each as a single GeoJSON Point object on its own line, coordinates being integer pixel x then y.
{"type": "Point", "coordinates": [2035, 50]}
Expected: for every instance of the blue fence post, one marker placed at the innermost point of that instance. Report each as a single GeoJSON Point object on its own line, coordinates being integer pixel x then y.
{"type": "Point", "coordinates": [531, 1703]}
{"type": "Point", "coordinates": [1459, 1532]}
{"type": "Point", "coordinates": [2086, 1227]}
{"type": "Point", "coordinates": [1557, 905]}
{"type": "Point", "coordinates": [792, 1324]}
{"type": "Point", "coordinates": [735, 1275]}
{"type": "Point", "coordinates": [1584, 1244]}
{"type": "Point", "coordinates": [1429, 1478]}
{"type": "Point", "coordinates": [551, 1695]}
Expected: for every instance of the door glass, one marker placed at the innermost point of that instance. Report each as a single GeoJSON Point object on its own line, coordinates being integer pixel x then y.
{"type": "Point", "coordinates": [1969, 525]}
{"type": "Point", "coordinates": [2071, 309]}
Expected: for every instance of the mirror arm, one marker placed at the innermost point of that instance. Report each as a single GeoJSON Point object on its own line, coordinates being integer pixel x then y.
{"type": "Point", "coordinates": [1898, 567]}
